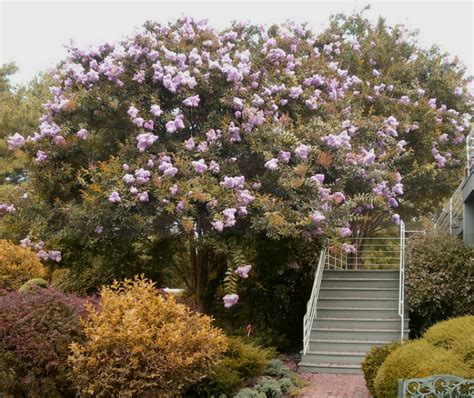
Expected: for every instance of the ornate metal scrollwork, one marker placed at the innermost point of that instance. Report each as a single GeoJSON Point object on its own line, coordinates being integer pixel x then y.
{"type": "Point", "coordinates": [439, 386]}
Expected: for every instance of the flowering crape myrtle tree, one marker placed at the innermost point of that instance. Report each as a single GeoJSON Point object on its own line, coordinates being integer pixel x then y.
{"type": "Point", "coordinates": [184, 133]}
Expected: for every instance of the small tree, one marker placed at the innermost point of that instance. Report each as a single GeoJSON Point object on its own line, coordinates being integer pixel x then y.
{"type": "Point", "coordinates": [183, 139]}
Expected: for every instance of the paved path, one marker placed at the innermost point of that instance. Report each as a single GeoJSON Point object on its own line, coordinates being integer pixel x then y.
{"type": "Point", "coordinates": [333, 386]}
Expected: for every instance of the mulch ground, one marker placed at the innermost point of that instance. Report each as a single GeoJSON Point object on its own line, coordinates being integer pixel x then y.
{"type": "Point", "coordinates": [333, 386]}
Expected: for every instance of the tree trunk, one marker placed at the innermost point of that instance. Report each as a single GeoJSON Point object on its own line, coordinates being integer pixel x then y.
{"type": "Point", "coordinates": [199, 275]}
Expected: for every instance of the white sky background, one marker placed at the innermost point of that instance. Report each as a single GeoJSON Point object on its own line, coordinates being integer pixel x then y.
{"type": "Point", "coordinates": [33, 34]}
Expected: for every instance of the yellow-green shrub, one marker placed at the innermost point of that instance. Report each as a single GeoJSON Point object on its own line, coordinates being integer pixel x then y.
{"type": "Point", "coordinates": [455, 334]}
{"type": "Point", "coordinates": [18, 265]}
{"type": "Point", "coordinates": [140, 343]}
{"type": "Point", "coordinates": [415, 359]}
{"type": "Point", "coordinates": [374, 360]}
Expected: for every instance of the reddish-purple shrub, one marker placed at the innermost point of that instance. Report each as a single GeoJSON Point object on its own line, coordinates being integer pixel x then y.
{"type": "Point", "coordinates": [35, 332]}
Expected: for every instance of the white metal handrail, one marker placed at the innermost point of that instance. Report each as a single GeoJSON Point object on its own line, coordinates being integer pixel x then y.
{"type": "Point", "coordinates": [312, 303]}
{"type": "Point", "coordinates": [470, 152]}
{"type": "Point", "coordinates": [401, 289]}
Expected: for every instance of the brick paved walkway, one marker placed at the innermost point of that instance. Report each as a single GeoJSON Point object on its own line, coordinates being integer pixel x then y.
{"type": "Point", "coordinates": [333, 386]}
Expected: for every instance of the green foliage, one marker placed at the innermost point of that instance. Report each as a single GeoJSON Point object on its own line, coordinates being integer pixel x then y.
{"type": "Point", "coordinates": [274, 367]}
{"type": "Point", "coordinates": [20, 110]}
{"type": "Point", "coordinates": [84, 280]}
{"type": "Point", "coordinates": [250, 393]}
{"type": "Point", "coordinates": [17, 266]}
{"type": "Point", "coordinates": [438, 280]}
{"type": "Point", "coordinates": [446, 348]}
{"type": "Point", "coordinates": [32, 284]}
{"type": "Point", "coordinates": [241, 362]}
{"type": "Point", "coordinates": [271, 388]}
{"type": "Point", "coordinates": [141, 342]}
{"type": "Point", "coordinates": [374, 360]}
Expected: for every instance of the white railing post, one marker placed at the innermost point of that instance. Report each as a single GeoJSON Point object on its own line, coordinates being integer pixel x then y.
{"type": "Point", "coordinates": [451, 216]}
{"type": "Point", "coordinates": [312, 302]}
{"type": "Point", "coordinates": [401, 290]}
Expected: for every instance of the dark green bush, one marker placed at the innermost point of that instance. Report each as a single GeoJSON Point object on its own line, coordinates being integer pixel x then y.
{"type": "Point", "coordinates": [374, 360]}
{"type": "Point", "coordinates": [438, 280]}
{"type": "Point", "coordinates": [271, 388]}
{"type": "Point", "coordinates": [241, 362]}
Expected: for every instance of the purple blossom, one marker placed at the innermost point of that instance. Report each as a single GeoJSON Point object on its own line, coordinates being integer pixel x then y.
{"type": "Point", "coordinates": [155, 110]}
{"type": "Point", "coordinates": [128, 179]}
{"type": "Point", "coordinates": [272, 164]}
{"type": "Point", "coordinates": [138, 121]}
{"type": "Point", "coordinates": [230, 300]}
{"type": "Point", "coordinates": [145, 141]}
{"type": "Point", "coordinates": [302, 151]}
{"type": "Point", "coordinates": [15, 141]}
{"type": "Point", "coordinates": [396, 219]}
{"type": "Point", "coordinates": [397, 189]}
{"type": "Point", "coordinates": [317, 217]}
{"type": "Point", "coordinates": [345, 232]}
{"type": "Point", "coordinates": [26, 242]}
{"type": "Point", "coordinates": [41, 156]}
{"type": "Point", "coordinates": [7, 209]}
{"type": "Point", "coordinates": [143, 196]}
{"type": "Point", "coordinates": [192, 102]}
{"type": "Point", "coordinates": [218, 225]}
{"type": "Point", "coordinates": [114, 197]}
{"type": "Point", "coordinates": [317, 178]}
{"type": "Point", "coordinates": [348, 248]}
{"type": "Point", "coordinates": [245, 197]}
{"type": "Point", "coordinates": [243, 271]}
{"type": "Point", "coordinates": [142, 176]}
{"type": "Point", "coordinates": [284, 156]}
{"type": "Point", "coordinates": [295, 92]}
{"type": "Point", "coordinates": [189, 144]}
{"type": "Point", "coordinates": [99, 229]}
{"type": "Point", "coordinates": [149, 125]}
{"type": "Point", "coordinates": [132, 112]}
{"type": "Point", "coordinates": [458, 91]}
{"type": "Point", "coordinates": [83, 134]}
{"type": "Point", "coordinates": [214, 167]}
{"type": "Point", "coordinates": [55, 255]}
{"type": "Point", "coordinates": [233, 182]}
{"type": "Point", "coordinates": [200, 166]}
{"type": "Point", "coordinates": [174, 189]}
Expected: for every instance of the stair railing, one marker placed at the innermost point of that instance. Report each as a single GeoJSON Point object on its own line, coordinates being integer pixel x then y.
{"type": "Point", "coordinates": [311, 306]}
{"type": "Point", "coordinates": [401, 289]}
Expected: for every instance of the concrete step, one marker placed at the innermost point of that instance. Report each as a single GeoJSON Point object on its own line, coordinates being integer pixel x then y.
{"type": "Point", "coordinates": [329, 368]}
{"type": "Point", "coordinates": [359, 323]}
{"type": "Point", "coordinates": [357, 274]}
{"type": "Point", "coordinates": [334, 357]}
{"type": "Point", "coordinates": [356, 334]}
{"type": "Point", "coordinates": [360, 282]}
{"type": "Point", "coordinates": [356, 312]}
{"type": "Point", "coordinates": [358, 302]}
{"type": "Point", "coordinates": [344, 345]}
{"type": "Point", "coordinates": [358, 292]}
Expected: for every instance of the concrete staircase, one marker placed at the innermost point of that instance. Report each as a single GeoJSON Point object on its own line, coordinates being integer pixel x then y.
{"type": "Point", "coordinates": [355, 311]}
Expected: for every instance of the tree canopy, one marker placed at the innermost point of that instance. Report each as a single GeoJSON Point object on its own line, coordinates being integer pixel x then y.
{"type": "Point", "coordinates": [185, 139]}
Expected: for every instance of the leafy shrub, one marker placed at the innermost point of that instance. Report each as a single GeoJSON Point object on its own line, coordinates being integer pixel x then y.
{"type": "Point", "coordinates": [274, 367]}
{"type": "Point", "coordinates": [84, 280]}
{"type": "Point", "coordinates": [143, 343]}
{"type": "Point", "coordinates": [374, 360]}
{"type": "Point", "coordinates": [36, 329]}
{"type": "Point", "coordinates": [454, 334]}
{"type": "Point", "coordinates": [421, 358]}
{"type": "Point", "coordinates": [33, 284]}
{"type": "Point", "coordinates": [240, 362]}
{"type": "Point", "coordinates": [271, 388]}
{"type": "Point", "coordinates": [250, 393]}
{"type": "Point", "coordinates": [18, 265]}
{"type": "Point", "coordinates": [438, 282]}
